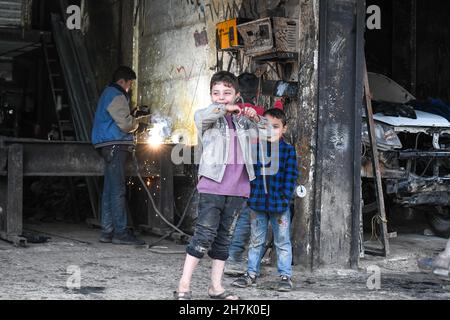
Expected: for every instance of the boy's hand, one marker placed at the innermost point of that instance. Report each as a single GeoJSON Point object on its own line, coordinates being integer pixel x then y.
{"type": "Point", "coordinates": [234, 109]}
{"type": "Point", "coordinates": [251, 114]}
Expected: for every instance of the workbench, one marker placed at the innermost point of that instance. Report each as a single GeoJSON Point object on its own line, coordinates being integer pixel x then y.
{"type": "Point", "coordinates": [21, 158]}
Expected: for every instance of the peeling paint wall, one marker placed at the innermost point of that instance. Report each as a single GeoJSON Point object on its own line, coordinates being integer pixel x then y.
{"type": "Point", "coordinates": [177, 52]}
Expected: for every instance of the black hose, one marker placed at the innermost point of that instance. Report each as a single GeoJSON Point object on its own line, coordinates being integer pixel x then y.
{"type": "Point", "coordinates": [168, 234]}
{"type": "Point", "coordinates": [176, 228]}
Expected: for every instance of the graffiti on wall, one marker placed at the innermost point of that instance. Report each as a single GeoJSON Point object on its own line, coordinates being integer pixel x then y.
{"type": "Point", "coordinates": [201, 38]}
{"type": "Point", "coordinates": [220, 10]}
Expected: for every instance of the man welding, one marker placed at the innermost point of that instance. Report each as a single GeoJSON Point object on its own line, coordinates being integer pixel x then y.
{"type": "Point", "coordinates": [112, 135]}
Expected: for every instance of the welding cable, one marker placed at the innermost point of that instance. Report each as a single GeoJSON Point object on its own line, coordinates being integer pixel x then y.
{"type": "Point", "coordinates": [151, 198]}
{"type": "Point", "coordinates": [165, 251]}
{"type": "Point", "coordinates": [183, 216]}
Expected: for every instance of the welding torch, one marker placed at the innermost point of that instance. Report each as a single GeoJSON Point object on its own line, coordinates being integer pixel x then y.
{"type": "Point", "coordinates": [142, 115]}
{"type": "Point", "coordinates": [141, 112]}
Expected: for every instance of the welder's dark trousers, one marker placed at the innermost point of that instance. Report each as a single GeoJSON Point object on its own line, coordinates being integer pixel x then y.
{"type": "Point", "coordinates": [114, 213]}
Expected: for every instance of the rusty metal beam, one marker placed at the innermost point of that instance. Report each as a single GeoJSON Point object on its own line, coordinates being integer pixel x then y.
{"type": "Point", "coordinates": [421, 154]}
{"type": "Point", "coordinates": [74, 159]}
{"type": "Point", "coordinates": [12, 198]}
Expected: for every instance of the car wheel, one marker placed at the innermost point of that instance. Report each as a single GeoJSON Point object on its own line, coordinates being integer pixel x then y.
{"type": "Point", "coordinates": [440, 222]}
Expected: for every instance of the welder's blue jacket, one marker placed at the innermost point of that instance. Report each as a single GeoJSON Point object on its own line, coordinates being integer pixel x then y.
{"type": "Point", "coordinates": [113, 124]}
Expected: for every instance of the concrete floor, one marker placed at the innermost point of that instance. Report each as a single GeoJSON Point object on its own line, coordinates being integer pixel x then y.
{"type": "Point", "coordinates": [39, 272]}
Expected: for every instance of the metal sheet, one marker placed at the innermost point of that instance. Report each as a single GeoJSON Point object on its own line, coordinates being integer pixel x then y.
{"type": "Point", "coordinates": [424, 119]}
{"type": "Point", "coordinates": [11, 13]}
{"type": "Point", "coordinates": [386, 89]}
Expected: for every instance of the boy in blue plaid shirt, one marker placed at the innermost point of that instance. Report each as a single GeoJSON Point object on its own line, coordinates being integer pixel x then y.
{"type": "Point", "coordinates": [271, 194]}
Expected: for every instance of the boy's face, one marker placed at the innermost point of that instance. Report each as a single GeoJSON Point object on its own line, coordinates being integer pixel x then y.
{"type": "Point", "coordinates": [223, 93]}
{"type": "Point", "coordinates": [278, 128]}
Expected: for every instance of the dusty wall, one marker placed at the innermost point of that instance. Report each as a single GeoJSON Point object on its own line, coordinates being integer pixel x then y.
{"type": "Point", "coordinates": [177, 54]}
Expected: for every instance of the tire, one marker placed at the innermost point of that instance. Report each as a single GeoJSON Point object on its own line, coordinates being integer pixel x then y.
{"type": "Point", "coordinates": [440, 222]}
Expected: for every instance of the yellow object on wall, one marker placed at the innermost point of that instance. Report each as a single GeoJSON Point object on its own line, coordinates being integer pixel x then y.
{"type": "Point", "coordinates": [227, 35]}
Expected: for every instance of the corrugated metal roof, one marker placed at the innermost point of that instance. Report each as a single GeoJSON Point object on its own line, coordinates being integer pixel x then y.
{"type": "Point", "coordinates": [11, 12]}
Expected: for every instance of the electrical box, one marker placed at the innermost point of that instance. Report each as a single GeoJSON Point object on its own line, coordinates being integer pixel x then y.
{"type": "Point", "coordinates": [227, 35]}
{"type": "Point", "coordinates": [273, 38]}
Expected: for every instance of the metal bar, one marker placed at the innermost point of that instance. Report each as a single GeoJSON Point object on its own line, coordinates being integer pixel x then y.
{"type": "Point", "coordinates": [27, 157]}
{"type": "Point", "coordinates": [52, 87]}
{"type": "Point", "coordinates": [161, 188]}
{"type": "Point", "coordinates": [166, 189]}
{"type": "Point", "coordinates": [72, 79]}
{"type": "Point", "coordinates": [3, 202]}
{"type": "Point", "coordinates": [22, 36]}
{"type": "Point", "coordinates": [75, 159]}
{"type": "Point", "coordinates": [14, 191]}
{"type": "Point", "coordinates": [413, 47]}
{"type": "Point", "coordinates": [323, 49]}
{"type": "Point", "coordinates": [420, 154]}
{"type": "Point", "coordinates": [376, 163]}
{"type": "Point", "coordinates": [357, 235]}
{"type": "Point", "coordinates": [29, 46]}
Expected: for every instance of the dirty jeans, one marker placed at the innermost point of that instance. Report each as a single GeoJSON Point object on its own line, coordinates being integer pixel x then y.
{"type": "Point", "coordinates": [114, 213]}
{"type": "Point", "coordinates": [217, 216]}
{"type": "Point", "coordinates": [281, 223]}
{"type": "Point", "coordinates": [241, 236]}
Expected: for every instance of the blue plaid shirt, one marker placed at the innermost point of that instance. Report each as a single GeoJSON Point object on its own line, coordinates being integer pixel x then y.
{"type": "Point", "coordinates": [280, 186]}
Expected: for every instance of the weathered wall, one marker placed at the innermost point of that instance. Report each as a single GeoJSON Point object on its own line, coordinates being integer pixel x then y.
{"type": "Point", "coordinates": [177, 54]}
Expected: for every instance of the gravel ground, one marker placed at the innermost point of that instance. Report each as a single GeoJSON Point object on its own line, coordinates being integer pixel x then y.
{"type": "Point", "coordinates": [110, 272]}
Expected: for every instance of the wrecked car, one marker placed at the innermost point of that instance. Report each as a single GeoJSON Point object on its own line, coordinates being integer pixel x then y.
{"type": "Point", "coordinates": [413, 141]}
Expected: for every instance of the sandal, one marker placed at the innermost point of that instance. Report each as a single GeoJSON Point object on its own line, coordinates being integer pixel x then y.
{"type": "Point", "coordinates": [182, 295]}
{"type": "Point", "coordinates": [224, 296]}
